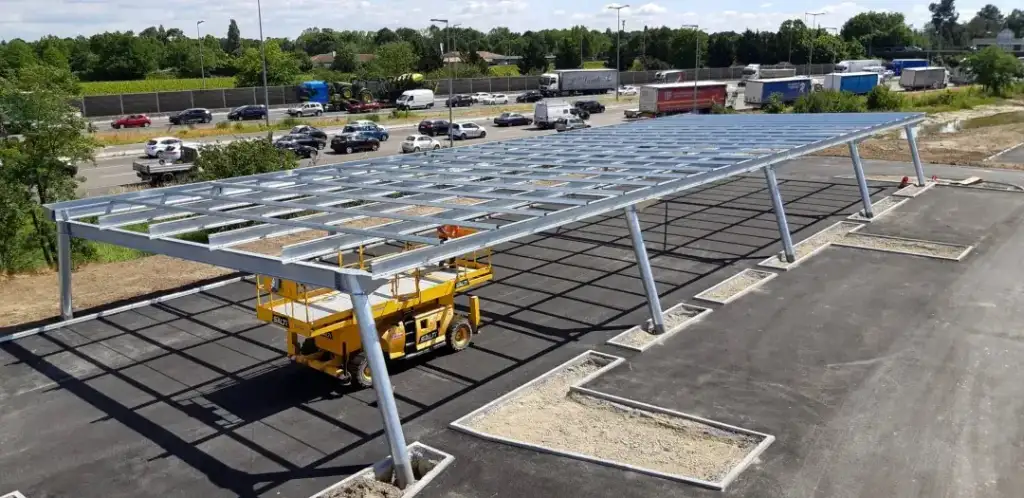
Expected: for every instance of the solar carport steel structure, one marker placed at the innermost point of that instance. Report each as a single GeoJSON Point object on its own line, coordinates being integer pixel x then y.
{"type": "Point", "coordinates": [507, 189]}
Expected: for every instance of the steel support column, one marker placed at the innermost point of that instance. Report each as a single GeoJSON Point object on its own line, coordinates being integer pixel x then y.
{"type": "Point", "coordinates": [915, 155]}
{"type": "Point", "coordinates": [780, 214]}
{"type": "Point", "coordinates": [862, 183]}
{"type": "Point", "coordinates": [64, 268]}
{"type": "Point", "coordinates": [653, 301]}
{"type": "Point", "coordinates": [381, 380]}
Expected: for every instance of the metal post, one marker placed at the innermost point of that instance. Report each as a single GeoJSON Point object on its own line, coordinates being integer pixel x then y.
{"type": "Point", "coordinates": [263, 55]}
{"type": "Point", "coordinates": [64, 268]}
{"type": "Point", "coordinates": [381, 380]}
{"type": "Point", "coordinates": [858, 169]}
{"type": "Point", "coordinates": [202, 65]}
{"type": "Point", "coordinates": [653, 301]}
{"type": "Point", "coordinates": [120, 100]}
{"type": "Point", "coordinates": [780, 214]}
{"type": "Point", "coordinates": [618, 45]}
{"type": "Point", "coordinates": [223, 99]}
{"type": "Point", "coordinates": [696, 64]}
{"type": "Point", "coordinates": [915, 155]}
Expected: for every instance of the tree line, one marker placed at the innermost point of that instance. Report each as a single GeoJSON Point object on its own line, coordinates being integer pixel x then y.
{"type": "Point", "coordinates": [157, 52]}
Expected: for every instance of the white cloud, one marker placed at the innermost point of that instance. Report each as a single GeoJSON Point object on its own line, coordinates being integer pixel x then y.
{"type": "Point", "coordinates": [651, 9]}
{"type": "Point", "coordinates": [558, 12]}
{"type": "Point", "coordinates": [766, 5]}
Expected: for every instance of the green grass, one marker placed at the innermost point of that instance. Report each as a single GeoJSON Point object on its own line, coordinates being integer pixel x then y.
{"type": "Point", "coordinates": [593, 64]}
{"type": "Point", "coordinates": [153, 85]}
{"type": "Point", "coordinates": [108, 253]}
{"type": "Point", "coordinates": [499, 71]}
{"type": "Point", "coordinates": [1003, 118]}
{"type": "Point", "coordinates": [949, 100]}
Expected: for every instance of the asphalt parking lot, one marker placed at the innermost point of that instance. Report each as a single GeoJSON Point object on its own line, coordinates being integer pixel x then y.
{"type": "Point", "coordinates": [880, 374]}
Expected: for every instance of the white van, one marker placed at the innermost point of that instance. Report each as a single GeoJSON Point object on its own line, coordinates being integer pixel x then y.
{"type": "Point", "coordinates": [416, 99]}
{"type": "Point", "coordinates": [546, 114]}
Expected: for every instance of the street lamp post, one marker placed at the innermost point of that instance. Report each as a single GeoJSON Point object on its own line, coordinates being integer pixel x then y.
{"type": "Point", "coordinates": [202, 68]}
{"type": "Point", "coordinates": [814, 29]}
{"type": "Point", "coordinates": [835, 31]}
{"type": "Point", "coordinates": [451, 80]}
{"type": "Point", "coordinates": [618, 45]}
{"type": "Point", "coordinates": [696, 63]}
{"type": "Point", "coordinates": [263, 55]}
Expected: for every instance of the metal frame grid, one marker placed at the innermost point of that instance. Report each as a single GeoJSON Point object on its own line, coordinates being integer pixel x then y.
{"type": "Point", "coordinates": [505, 190]}
{"type": "Point", "coordinates": [522, 186]}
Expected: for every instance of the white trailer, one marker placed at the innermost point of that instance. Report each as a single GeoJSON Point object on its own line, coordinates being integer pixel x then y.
{"type": "Point", "coordinates": [856, 66]}
{"type": "Point", "coordinates": [578, 81]}
{"type": "Point", "coordinates": [917, 78]}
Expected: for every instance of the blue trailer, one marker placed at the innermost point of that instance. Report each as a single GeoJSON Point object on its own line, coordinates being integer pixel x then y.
{"type": "Point", "coordinates": [759, 91]}
{"type": "Point", "coordinates": [898, 65]}
{"type": "Point", "coordinates": [855, 83]}
{"type": "Point", "coordinates": [314, 91]}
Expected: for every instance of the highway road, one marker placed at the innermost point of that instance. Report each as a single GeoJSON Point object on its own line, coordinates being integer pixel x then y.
{"type": "Point", "coordinates": [111, 175]}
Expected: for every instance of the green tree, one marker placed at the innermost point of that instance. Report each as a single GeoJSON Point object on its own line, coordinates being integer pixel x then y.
{"type": "Point", "coordinates": [242, 157]}
{"type": "Point", "coordinates": [684, 47]}
{"type": "Point", "coordinates": [123, 56]}
{"type": "Point", "coordinates": [944, 20]}
{"type": "Point", "coordinates": [391, 59]}
{"type": "Point", "coordinates": [986, 23]}
{"type": "Point", "coordinates": [994, 68]}
{"type": "Point", "coordinates": [14, 56]}
{"type": "Point", "coordinates": [722, 49]}
{"type": "Point", "coordinates": [878, 30]}
{"type": "Point", "coordinates": [385, 36]}
{"type": "Point", "coordinates": [345, 60]}
{"type": "Point", "coordinates": [316, 41]}
{"type": "Point", "coordinates": [791, 37]}
{"type": "Point", "coordinates": [233, 43]}
{"type": "Point", "coordinates": [533, 58]}
{"type": "Point", "coordinates": [567, 53]}
{"type": "Point", "coordinates": [282, 69]}
{"type": "Point", "coordinates": [1015, 22]}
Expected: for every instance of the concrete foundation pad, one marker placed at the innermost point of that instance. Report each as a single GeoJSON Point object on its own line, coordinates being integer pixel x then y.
{"type": "Point", "coordinates": [428, 463]}
{"type": "Point", "coordinates": [676, 318]}
{"type": "Point", "coordinates": [811, 245]}
{"type": "Point", "coordinates": [736, 286]}
{"type": "Point", "coordinates": [902, 245]}
{"type": "Point", "coordinates": [880, 208]}
{"type": "Point", "coordinates": [555, 414]}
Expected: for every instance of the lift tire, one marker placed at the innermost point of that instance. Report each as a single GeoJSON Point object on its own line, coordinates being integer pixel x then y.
{"type": "Point", "coordinates": [308, 346]}
{"type": "Point", "coordinates": [359, 370]}
{"type": "Point", "coordinates": [460, 333]}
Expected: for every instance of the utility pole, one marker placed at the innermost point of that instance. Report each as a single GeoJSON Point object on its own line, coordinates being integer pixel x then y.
{"type": "Point", "coordinates": [643, 49]}
{"type": "Point", "coordinates": [263, 55]}
{"type": "Point", "coordinates": [202, 68]}
{"type": "Point", "coordinates": [451, 79]}
{"type": "Point", "coordinates": [582, 29]}
{"type": "Point", "coordinates": [814, 34]}
{"type": "Point", "coordinates": [836, 32]}
{"type": "Point", "coordinates": [618, 46]}
{"type": "Point", "coordinates": [696, 63]}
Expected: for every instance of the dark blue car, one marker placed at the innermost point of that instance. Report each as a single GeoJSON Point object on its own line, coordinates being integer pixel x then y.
{"type": "Point", "coordinates": [248, 112]}
{"type": "Point", "coordinates": [370, 129]}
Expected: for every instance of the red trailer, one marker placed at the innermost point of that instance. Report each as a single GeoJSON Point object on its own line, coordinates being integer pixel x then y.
{"type": "Point", "coordinates": [673, 98]}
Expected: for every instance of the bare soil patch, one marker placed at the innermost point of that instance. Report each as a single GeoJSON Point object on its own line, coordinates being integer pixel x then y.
{"type": "Point", "coordinates": [905, 246]}
{"type": "Point", "coordinates": [811, 244]}
{"type": "Point", "coordinates": [675, 317]}
{"type": "Point", "coordinates": [735, 285]}
{"type": "Point", "coordinates": [365, 487]}
{"type": "Point", "coordinates": [548, 414]}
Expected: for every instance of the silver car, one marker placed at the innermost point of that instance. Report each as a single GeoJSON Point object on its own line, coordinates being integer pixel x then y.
{"type": "Point", "coordinates": [463, 131]}
{"type": "Point", "coordinates": [417, 143]}
{"type": "Point", "coordinates": [570, 123]}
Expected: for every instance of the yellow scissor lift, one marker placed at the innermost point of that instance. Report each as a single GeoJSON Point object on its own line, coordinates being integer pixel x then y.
{"type": "Point", "coordinates": [414, 314]}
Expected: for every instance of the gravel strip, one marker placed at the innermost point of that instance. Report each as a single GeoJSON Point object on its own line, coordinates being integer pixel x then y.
{"type": "Point", "coordinates": [365, 487]}
{"type": "Point", "coordinates": [879, 208]}
{"type": "Point", "coordinates": [549, 415]}
{"type": "Point", "coordinates": [907, 246]}
{"type": "Point", "coordinates": [638, 337]}
{"type": "Point", "coordinates": [912, 190]}
{"type": "Point", "coordinates": [735, 285]}
{"type": "Point", "coordinates": [807, 246]}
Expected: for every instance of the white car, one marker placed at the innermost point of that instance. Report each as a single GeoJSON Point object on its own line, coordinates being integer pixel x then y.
{"type": "Point", "coordinates": [159, 144]}
{"type": "Point", "coordinates": [479, 96]}
{"type": "Point", "coordinates": [416, 143]}
{"type": "Point", "coordinates": [628, 91]}
{"type": "Point", "coordinates": [495, 99]}
{"type": "Point", "coordinates": [462, 131]}
{"type": "Point", "coordinates": [306, 109]}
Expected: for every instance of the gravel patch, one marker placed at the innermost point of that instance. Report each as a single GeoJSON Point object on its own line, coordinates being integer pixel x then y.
{"type": "Point", "coordinates": [810, 245]}
{"type": "Point", "coordinates": [365, 487]}
{"type": "Point", "coordinates": [638, 337]}
{"type": "Point", "coordinates": [913, 190]}
{"type": "Point", "coordinates": [879, 208]}
{"type": "Point", "coordinates": [735, 285]}
{"type": "Point", "coordinates": [547, 414]}
{"type": "Point", "coordinates": [904, 246]}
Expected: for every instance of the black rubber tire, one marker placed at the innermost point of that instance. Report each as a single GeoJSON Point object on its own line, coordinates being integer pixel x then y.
{"type": "Point", "coordinates": [415, 149]}
{"type": "Point", "coordinates": [348, 150]}
{"type": "Point", "coordinates": [375, 147]}
{"type": "Point", "coordinates": [308, 346]}
{"type": "Point", "coordinates": [435, 148]}
{"type": "Point", "coordinates": [483, 134]}
{"type": "Point", "coordinates": [357, 367]}
{"type": "Point", "coordinates": [459, 327]}
{"type": "Point", "coordinates": [167, 178]}
{"type": "Point", "coordinates": [117, 127]}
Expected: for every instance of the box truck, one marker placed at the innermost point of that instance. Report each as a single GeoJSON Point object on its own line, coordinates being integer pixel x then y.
{"type": "Point", "coordinates": [898, 65]}
{"type": "Point", "coordinates": [917, 78]}
{"type": "Point", "coordinates": [856, 83]}
{"type": "Point", "coordinates": [672, 98]}
{"type": "Point", "coordinates": [578, 82]}
{"type": "Point", "coordinates": [759, 91]}
{"type": "Point", "coordinates": [759, 72]}
{"type": "Point", "coordinates": [856, 66]}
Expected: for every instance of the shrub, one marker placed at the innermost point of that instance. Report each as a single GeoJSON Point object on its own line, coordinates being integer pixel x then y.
{"type": "Point", "coordinates": [396, 114]}
{"type": "Point", "coordinates": [242, 157]}
{"type": "Point", "coordinates": [774, 105]}
{"type": "Point", "coordinates": [223, 125]}
{"type": "Point", "coordinates": [238, 126]}
{"type": "Point", "coordinates": [290, 122]}
{"type": "Point", "coordinates": [995, 68]}
{"type": "Point", "coordinates": [882, 98]}
{"type": "Point", "coordinates": [717, 108]}
{"type": "Point", "coordinates": [828, 101]}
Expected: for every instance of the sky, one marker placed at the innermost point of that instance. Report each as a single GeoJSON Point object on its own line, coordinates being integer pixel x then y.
{"type": "Point", "coordinates": [31, 19]}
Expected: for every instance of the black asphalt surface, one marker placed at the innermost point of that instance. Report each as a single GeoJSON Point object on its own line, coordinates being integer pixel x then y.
{"type": "Point", "coordinates": [880, 374]}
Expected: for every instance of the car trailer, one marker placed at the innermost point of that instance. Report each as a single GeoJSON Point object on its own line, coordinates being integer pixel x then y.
{"type": "Point", "coordinates": [501, 190]}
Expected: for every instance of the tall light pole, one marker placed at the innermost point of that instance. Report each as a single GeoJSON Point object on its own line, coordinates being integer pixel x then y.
{"type": "Point", "coordinates": [814, 34]}
{"type": "Point", "coordinates": [202, 68]}
{"type": "Point", "coordinates": [618, 45]}
{"type": "Point", "coordinates": [696, 62]}
{"type": "Point", "coordinates": [451, 79]}
{"type": "Point", "coordinates": [263, 55]}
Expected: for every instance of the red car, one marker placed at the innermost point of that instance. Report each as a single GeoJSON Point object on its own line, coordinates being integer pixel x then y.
{"type": "Point", "coordinates": [355, 106]}
{"type": "Point", "coordinates": [132, 121]}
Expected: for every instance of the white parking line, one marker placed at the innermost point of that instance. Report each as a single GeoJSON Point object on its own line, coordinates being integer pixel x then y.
{"type": "Point", "coordinates": [1011, 149]}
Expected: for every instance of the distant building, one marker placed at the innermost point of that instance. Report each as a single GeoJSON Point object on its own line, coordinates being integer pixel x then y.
{"type": "Point", "coordinates": [1004, 40]}
{"type": "Point", "coordinates": [325, 60]}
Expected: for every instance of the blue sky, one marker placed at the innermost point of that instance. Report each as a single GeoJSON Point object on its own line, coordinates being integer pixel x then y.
{"type": "Point", "coordinates": [31, 19]}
